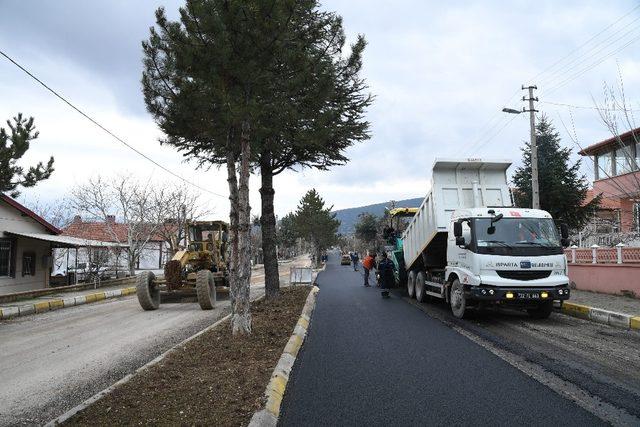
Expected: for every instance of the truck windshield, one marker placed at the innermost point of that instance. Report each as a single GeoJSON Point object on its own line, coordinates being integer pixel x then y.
{"type": "Point", "coordinates": [516, 234]}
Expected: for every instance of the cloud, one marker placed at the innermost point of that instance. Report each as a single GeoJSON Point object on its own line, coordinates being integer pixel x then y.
{"type": "Point", "coordinates": [440, 71]}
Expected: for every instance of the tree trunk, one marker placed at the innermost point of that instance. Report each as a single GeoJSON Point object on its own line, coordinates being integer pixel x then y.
{"type": "Point", "coordinates": [241, 309]}
{"type": "Point", "coordinates": [268, 225]}
{"type": "Point", "coordinates": [318, 256]}
{"type": "Point", "coordinates": [131, 260]}
{"type": "Point", "coordinates": [232, 180]}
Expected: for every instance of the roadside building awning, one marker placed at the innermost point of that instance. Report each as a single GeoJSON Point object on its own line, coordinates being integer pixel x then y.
{"type": "Point", "coordinates": [68, 241]}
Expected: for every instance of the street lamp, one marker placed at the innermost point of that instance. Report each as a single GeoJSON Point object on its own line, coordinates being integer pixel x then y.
{"type": "Point", "coordinates": [511, 111]}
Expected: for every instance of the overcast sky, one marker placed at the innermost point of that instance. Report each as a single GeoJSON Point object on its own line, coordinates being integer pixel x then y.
{"type": "Point", "coordinates": [441, 72]}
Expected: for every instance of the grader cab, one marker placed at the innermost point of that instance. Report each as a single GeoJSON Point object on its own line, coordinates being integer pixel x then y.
{"type": "Point", "coordinates": [196, 272]}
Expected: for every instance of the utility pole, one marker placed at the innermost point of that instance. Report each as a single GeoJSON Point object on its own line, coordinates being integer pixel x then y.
{"type": "Point", "coordinates": [535, 204]}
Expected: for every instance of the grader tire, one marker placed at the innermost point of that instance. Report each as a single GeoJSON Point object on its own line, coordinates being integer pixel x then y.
{"type": "Point", "coordinates": [206, 289]}
{"type": "Point", "coordinates": [148, 293]}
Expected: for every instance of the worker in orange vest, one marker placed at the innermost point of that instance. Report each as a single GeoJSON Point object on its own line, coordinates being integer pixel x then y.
{"type": "Point", "coordinates": [368, 263]}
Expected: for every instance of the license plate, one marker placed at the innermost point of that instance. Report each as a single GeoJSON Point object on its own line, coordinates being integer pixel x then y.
{"type": "Point", "coordinates": [528, 295]}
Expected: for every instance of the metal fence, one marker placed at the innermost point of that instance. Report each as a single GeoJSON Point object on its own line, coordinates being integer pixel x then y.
{"type": "Point", "coordinates": [620, 254]}
{"type": "Point", "coordinates": [300, 275]}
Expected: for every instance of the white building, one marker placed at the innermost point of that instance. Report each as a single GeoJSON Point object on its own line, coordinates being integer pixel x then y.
{"type": "Point", "coordinates": [25, 262]}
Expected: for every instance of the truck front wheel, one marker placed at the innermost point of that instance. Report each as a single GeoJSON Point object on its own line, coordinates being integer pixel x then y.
{"type": "Point", "coordinates": [542, 311]}
{"type": "Point", "coordinates": [419, 286]}
{"type": "Point", "coordinates": [458, 300]}
{"type": "Point", "coordinates": [411, 284]}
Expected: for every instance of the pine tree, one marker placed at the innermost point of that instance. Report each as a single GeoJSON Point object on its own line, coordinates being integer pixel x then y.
{"type": "Point", "coordinates": [316, 223]}
{"type": "Point", "coordinates": [304, 101]}
{"type": "Point", "coordinates": [366, 229]}
{"type": "Point", "coordinates": [204, 81]}
{"type": "Point", "coordinates": [287, 234]}
{"type": "Point", "coordinates": [13, 146]}
{"type": "Point", "coordinates": [318, 101]}
{"type": "Point", "coordinates": [562, 188]}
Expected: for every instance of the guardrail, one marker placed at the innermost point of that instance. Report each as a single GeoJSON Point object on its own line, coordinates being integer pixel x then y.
{"type": "Point", "coordinates": [620, 254]}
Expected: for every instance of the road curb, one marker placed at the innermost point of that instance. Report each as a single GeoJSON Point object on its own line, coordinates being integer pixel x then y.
{"type": "Point", "coordinates": [598, 315]}
{"type": "Point", "coordinates": [60, 303]}
{"type": "Point", "coordinates": [268, 416]}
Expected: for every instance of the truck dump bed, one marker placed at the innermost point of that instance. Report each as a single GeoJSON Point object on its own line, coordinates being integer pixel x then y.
{"type": "Point", "coordinates": [452, 187]}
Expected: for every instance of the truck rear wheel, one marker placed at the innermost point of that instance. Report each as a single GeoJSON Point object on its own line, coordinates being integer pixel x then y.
{"type": "Point", "coordinates": [147, 291]}
{"type": "Point", "coordinates": [206, 289]}
{"type": "Point", "coordinates": [458, 300]}
{"type": "Point", "coordinates": [543, 311]}
{"type": "Point", "coordinates": [411, 282]}
{"type": "Point", "coordinates": [419, 286]}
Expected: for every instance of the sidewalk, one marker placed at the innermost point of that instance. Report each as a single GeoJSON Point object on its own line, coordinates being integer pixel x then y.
{"type": "Point", "coordinates": [61, 295]}
{"type": "Point", "coordinates": [61, 300]}
{"type": "Point", "coordinates": [65, 299]}
{"type": "Point", "coordinates": [616, 303]}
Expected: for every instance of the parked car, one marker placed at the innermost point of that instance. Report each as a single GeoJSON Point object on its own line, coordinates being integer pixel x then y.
{"type": "Point", "coordinates": [83, 270]}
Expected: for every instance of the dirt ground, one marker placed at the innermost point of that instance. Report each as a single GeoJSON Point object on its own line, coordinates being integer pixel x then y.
{"type": "Point", "coordinates": [217, 379]}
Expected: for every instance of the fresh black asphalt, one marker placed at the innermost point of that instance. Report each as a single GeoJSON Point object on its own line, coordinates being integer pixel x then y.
{"type": "Point", "coordinates": [374, 361]}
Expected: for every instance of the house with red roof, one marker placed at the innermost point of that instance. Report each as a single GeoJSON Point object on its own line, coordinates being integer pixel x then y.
{"type": "Point", "coordinates": [616, 177]}
{"type": "Point", "coordinates": [27, 243]}
{"type": "Point", "coordinates": [153, 256]}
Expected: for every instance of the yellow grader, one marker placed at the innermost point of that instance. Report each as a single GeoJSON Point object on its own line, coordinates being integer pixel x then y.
{"type": "Point", "coordinates": [197, 272]}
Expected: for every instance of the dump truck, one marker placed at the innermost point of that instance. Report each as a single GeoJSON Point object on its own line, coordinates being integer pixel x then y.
{"type": "Point", "coordinates": [468, 245]}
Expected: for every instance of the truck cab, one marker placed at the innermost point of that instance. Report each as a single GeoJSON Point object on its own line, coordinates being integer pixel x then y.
{"type": "Point", "coordinates": [505, 256]}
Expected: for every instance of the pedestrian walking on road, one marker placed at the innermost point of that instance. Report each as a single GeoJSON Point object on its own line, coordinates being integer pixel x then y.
{"type": "Point", "coordinates": [368, 263]}
{"type": "Point", "coordinates": [385, 275]}
{"type": "Point", "coordinates": [354, 260]}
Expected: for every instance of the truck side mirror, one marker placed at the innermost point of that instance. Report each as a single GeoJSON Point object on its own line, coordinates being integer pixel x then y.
{"type": "Point", "coordinates": [460, 241]}
{"type": "Point", "coordinates": [564, 230]}
{"type": "Point", "coordinates": [565, 242]}
{"type": "Point", "coordinates": [457, 230]}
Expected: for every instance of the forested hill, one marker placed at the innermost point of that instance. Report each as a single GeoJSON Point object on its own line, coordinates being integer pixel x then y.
{"type": "Point", "coordinates": [349, 217]}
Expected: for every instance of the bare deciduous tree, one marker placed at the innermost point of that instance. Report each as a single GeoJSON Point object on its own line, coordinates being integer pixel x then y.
{"type": "Point", "coordinates": [175, 206]}
{"type": "Point", "coordinates": [617, 115]}
{"type": "Point", "coordinates": [56, 212]}
{"type": "Point", "coordinates": [126, 199]}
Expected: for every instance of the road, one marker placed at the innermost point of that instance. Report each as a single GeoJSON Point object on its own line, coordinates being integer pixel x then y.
{"type": "Point", "coordinates": [53, 361]}
{"type": "Point", "coordinates": [397, 362]}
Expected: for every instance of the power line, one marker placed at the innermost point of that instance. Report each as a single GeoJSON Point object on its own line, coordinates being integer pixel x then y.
{"type": "Point", "coordinates": [590, 53]}
{"type": "Point", "coordinates": [117, 138]}
{"type": "Point", "coordinates": [484, 136]}
{"type": "Point", "coordinates": [592, 66]}
{"type": "Point", "coordinates": [488, 128]}
{"type": "Point", "coordinates": [587, 107]}
{"type": "Point", "coordinates": [550, 67]}
{"type": "Point", "coordinates": [579, 69]}
{"type": "Point", "coordinates": [498, 132]}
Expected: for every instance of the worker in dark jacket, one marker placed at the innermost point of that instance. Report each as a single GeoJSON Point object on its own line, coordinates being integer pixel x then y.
{"type": "Point", "coordinates": [354, 260]}
{"type": "Point", "coordinates": [385, 273]}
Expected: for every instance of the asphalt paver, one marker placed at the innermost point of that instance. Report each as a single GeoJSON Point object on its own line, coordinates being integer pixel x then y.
{"type": "Point", "coordinates": [374, 361]}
